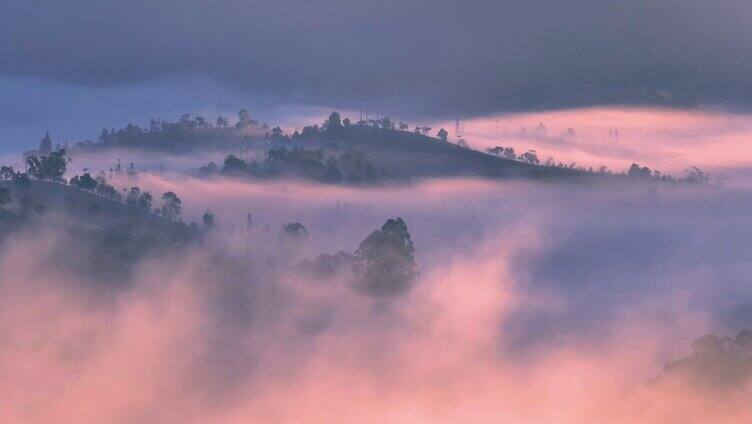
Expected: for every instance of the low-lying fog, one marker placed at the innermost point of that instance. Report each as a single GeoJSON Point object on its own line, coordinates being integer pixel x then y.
{"type": "Point", "coordinates": [536, 302]}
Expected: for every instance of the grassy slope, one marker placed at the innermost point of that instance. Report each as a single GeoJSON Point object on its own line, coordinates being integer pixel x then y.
{"type": "Point", "coordinates": [95, 239]}
{"type": "Point", "coordinates": [403, 153]}
{"type": "Point", "coordinates": [67, 206]}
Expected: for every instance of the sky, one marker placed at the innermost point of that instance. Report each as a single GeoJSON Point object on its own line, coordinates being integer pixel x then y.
{"type": "Point", "coordinates": [72, 67]}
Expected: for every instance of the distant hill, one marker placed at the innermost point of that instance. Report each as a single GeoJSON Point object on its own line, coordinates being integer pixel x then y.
{"type": "Point", "coordinates": [399, 154]}
{"type": "Point", "coordinates": [370, 154]}
{"type": "Point", "coordinates": [413, 155]}
{"type": "Point", "coordinates": [343, 152]}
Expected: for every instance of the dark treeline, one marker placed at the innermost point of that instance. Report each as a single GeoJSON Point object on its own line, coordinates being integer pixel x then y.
{"type": "Point", "coordinates": [188, 133]}
{"type": "Point", "coordinates": [198, 133]}
{"type": "Point", "coordinates": [693, 175]}
{"type": "Point", "coordinates": [348, 167]}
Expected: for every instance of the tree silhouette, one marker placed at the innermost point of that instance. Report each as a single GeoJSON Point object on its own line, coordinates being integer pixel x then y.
{"type": "Point", "coordinates": [636, 171]}
{"type": "Point", "coordinates": [233, 164]}
{"type": "Point", "coordinates": [530, 157]}
{"type": "Point", "coordinates": [144, 201]}
{"type": "Point", "coordinates": [45, 146]}
{"type": "Point", "coordinates": [443, 135]}
{"type": "Point", "coordinates": [386, 123]}
{"type": "Point", "coordinates": [108, 191]}
{"type": "Point", "coordinates": [295, 231]}
{"type": "Point", "coordinates": [277, 133]}
{"type": "Point", "coordinates": [50, 168]}
{"type": "Point", "coordinates": [104, 135]}
{"type": "Point", "coordinates": [84, 182]}
{"type": "Point", "coordinates": [716, 362]}
{"type": "Point", "coordinates": [695, 175]}
{"type": "Point", "coordinates": [171, 208]}
{"type": "Point", "coordinates": [208, 220]}
{"type": "Point", "coordinates": [131, 198]}
{"type": "Point", "coordinates": [384, 262]}
{"type": "Point", "coordinates": [497, 151]}
{"type": "Point", "coordinates": [244, 119]}
{"type": "Point", "coordinates": [334, 123]}
{"type": "Point", "coordinates": [7, 173]}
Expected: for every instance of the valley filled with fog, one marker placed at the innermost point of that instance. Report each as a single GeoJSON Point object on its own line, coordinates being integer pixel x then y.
{"type": "Point", "coordinates": [438, 282]}
{"type": "Point", "coordinates": [412, 211]}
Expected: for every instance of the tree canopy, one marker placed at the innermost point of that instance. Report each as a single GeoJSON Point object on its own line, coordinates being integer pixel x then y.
{"type": "Point", "coordinates": [384, 263]}
{"type": "Point", "coordinates": [51, 167]}
{"type": "Point", "coordinates": [171, 208]}
{"type": "Point", "coordinates": [84, 182]}
{"type": "Point", "coordinates": [334, 123]}
{"type": "Point", "coordinates": [45, 146]}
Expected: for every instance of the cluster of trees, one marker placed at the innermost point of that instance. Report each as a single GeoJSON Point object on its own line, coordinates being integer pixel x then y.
{"type": "Point", "coordinates": [529, 157]}
{"type": "Point", "coordinates": [350, 166]}
{"type": "Point", "coordinates": [133, 197]}
{"type": "Point", "coordinates": [185, 123]}
{"type": "Point", "coordinates": [138, 199]}
{"type": "Point", "coordinates": [171, 207]}
{"type": "Point", "coordinates": [638, 172]}
{"type": "Point", "coordinates": [7, 173]}
{"type": "Point", "coordinates": [45, 146]}
{"type": "Point", "coordinates": [694, 175]}
{"type": "Point", "coordinates": [97, 185]}
{"type": "Point", "coordinates": [502, 152]}
{"type": "Point", "coordinates": [50, 167]}
{"type": "Point", "coordinates": [294, 231]}
{"type": "Point", "coordinates": [716, 362]}
{"type": "Point", "coordinates": [335, 123]}
{"type": "Point", "coordinates": [383, 265]}
{"type": "Point", "coordinates": [168, 135]}
{"type": "Point", "coordinates": [209, 220]}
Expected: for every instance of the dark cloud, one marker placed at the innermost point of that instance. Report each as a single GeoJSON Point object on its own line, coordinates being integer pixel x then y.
{"type": "Point", "coordinates": [437, 58]}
